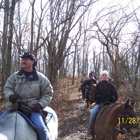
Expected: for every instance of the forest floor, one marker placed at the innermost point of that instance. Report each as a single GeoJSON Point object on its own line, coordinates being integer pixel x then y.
{"type": "Point", "coordinates": [72, 113]}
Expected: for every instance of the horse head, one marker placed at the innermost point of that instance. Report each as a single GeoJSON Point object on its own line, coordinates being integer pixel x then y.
{"type": "Point", "coordinates": [129, 119]}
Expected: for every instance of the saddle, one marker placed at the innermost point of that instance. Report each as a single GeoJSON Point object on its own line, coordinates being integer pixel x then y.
{"type": "Point", "coordinates": [102, 108]}
{"type": "Point", "coordinates": [25, 111]}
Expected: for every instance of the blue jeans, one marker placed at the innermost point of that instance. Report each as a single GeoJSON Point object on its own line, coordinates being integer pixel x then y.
{"type": "Point", "coordinates": [38, 122]}
{"type": "Point", "coordinates": [92, 116]}
{"type": "Point", "coordinates": [86, 93]}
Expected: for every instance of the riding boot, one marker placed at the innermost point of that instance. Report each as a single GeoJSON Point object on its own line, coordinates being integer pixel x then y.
{"type": "Point", "coordinates": [90, 131]}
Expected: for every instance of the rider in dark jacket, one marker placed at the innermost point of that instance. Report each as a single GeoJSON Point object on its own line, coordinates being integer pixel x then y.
{"type": "Point", "coordinates": [89, 83]}
{"type": "Point", "coordinates": [104, 92]}
{"type": "Point", "coordinates": [94, 74]}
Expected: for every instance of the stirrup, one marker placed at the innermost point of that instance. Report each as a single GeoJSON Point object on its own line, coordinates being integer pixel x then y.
{"type": "Point", "coordinates": [90, 131]}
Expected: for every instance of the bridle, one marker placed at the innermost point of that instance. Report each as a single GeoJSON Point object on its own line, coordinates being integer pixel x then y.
{"type": "Point", "coordinates": [116, 128]}
{"type": "Point", "coordinates": [126, 119]}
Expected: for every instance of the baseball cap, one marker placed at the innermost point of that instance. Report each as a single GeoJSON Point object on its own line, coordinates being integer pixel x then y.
{"type": "Point", "coordinates": [30, 56]}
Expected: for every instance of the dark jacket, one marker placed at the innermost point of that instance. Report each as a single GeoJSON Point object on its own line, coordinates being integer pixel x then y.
{"type": "Point", "coordinates": [104, 93]}
{"type": "Point", "coordinates": [90, 82]}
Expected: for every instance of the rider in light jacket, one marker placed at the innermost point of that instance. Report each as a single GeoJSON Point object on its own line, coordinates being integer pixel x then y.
{"type": "Point", "coordinates": [33, 88]}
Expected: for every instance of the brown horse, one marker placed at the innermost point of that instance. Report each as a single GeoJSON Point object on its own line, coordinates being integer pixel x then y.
{"type": "Point", "coordinates": [83, 89]}
{"type": "Point", "coordinates": [90, 95]}
{"type": "Point", "coordinates": [105, 127]}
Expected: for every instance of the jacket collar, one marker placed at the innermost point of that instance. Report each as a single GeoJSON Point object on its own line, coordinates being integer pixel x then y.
{"type": "Point", "coordinates": [32, 77]}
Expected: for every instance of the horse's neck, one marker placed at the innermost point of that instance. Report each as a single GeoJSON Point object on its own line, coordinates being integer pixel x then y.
{"type": "Point", "coordinates": [113, 112]}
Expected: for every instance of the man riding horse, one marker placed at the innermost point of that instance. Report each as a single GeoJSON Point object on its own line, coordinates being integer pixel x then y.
{"type": "Point", "coordinates": [33, 88]}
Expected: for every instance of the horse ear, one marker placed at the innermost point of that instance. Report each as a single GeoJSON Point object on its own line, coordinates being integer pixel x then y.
{"type": "Point", "coordinates": [133, 101]}
{"type": "Point", "coordinates": [126, 103]}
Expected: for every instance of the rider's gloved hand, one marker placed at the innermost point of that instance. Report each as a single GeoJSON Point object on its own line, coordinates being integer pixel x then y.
{"type": "Point", "coordinates": [112, 99]}
{"type": "Point", "coordinates": [37, 108]}
{"type": "Point", "coordinates": [99, 99]}
{"type": "Point", "coordinates": [13, 98]}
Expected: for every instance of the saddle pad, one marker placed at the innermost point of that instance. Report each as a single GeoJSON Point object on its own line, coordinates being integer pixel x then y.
{"type": "Point", "coordinates": [27, 120]}
{"type": "Point", "coordinates": [48, 118]}
{"type": "Point", "coordinates": [100, 111]}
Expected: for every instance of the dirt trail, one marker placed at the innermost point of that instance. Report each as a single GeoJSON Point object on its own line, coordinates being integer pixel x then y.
{"type": "Point", "coordinates": [73, 119]}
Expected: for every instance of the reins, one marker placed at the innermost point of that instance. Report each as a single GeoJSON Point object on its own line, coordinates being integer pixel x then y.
{"type": "Point", "coordinates": [15, 122]}
{"type": "Point", "coordinates": [19, 98]}
{"type": "Point", "coordinates": [105, 129]}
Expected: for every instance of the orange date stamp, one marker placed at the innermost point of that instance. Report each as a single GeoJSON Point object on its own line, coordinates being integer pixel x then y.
{"type": "Point", "coordinates": [129, 120]}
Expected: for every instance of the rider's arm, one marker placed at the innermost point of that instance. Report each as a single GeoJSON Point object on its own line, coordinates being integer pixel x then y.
{"type": "Point", "coordinates": [97, 95]}
{"type": "Point", "coordinates": [8, 88]}
{"type": "Point", "coordinates": [114, 94]}
{"type": "Point", "coordinates": [46, 92]}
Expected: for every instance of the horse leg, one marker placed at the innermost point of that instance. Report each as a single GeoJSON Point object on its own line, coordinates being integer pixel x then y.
{"type": "Point", "coordinates": [83, 95]}
{"type": "Point", "coordinates": [88, 102]}
{"type": "Point", "coordinates": [93, 137]}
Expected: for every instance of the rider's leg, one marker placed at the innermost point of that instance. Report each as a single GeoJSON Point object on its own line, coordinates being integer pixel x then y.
{"type": "Point", "coordinates": [86, 94]}
{"type": "Point", "coordinates": [92, 116]}
{"type": "Point", "coordinates": [40, 126]}
{"type": "Point", "coordinates": [4, 114]}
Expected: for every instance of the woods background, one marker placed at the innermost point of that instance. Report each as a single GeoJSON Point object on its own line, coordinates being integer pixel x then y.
{"type": "Point", "coordinates": [72, 37]}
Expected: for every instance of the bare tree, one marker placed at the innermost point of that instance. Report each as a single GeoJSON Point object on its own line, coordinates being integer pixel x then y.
{"type": "Point", "coordinates": [62, 23]}
{"type": "Point", "coordinates": [9, 10]}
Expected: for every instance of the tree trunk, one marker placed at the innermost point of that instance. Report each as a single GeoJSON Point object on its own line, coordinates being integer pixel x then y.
{"type": "Point", "coordinates": [74, 62]}
{"type": "Point", "coordinates": [32, 27]}
{"type": "Point", "coordinates": [10, 37]}
{"type": "Point", "coordinates": [4, 44]}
